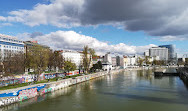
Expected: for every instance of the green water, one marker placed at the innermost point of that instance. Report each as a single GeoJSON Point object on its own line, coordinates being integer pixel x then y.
{"type": "Point", "coordinates": [126, 91]}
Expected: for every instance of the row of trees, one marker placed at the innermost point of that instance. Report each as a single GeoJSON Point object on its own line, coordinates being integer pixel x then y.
{"type": "Point", "coordinates": [146, 61]}
{"type": "Point", "coordinates": [38, 59]}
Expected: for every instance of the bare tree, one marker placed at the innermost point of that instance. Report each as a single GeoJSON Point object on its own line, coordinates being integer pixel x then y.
{"type": "Point", "coordinates": [13, 63]}
{"type": "Point", "coordinates": [55, 60]}
{"type": "Point", "coordinates": [88, 53]}
{"type": "Point", "coordinates": [38, 58]}
{"type": "Point", "coordinates": [1, 65]}
{"type": "Point", "coordinates": [51, 59]}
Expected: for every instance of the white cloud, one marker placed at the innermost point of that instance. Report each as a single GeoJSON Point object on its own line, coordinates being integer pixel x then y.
{"type": "Point", "coordinates": [2, 18]}
{"type": "Point", "coordinates": [172, 38]}
{"type": "Point", "coordinates": [60, 13]}
{"type": "Point", "coordinates": [75, 41]}
{"type": "Point", "coordinates": [5, 24]}
{"type": "Point", "coordinates": [181, 52]}
{"type": "Point", "coordinates": [24, 36]}
{"type": "Point", "coordinates": [159, 18]}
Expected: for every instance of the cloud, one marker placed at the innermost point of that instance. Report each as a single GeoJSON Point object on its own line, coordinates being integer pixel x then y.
{"type": "Point", "coordinates": [155, 17]}
{"type": "Point", "coordinates": [172, 38]}
{"type": "Point", "coordinates": [29, 36]}
{"type": "Point", "coordinates": [60, 13]}
{"type": "Point", "coordinates": [74, 41]}
{"type": "Point", "coordinates": [181, 52]}
{"type": "Point", "coordinates": [2, 18]}
{"type": "Point", "coordinates": [5, 24]}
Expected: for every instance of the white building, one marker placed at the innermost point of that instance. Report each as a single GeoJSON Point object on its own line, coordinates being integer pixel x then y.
{"type": "Point", "coordinates": [130, 61]}
{"type": "Point", "coordinates": [106, 66]}
{"type": "Point", "coordinates": [161, 52]}
{"type": "Point", "coordinates": [108, 58]}
{"type": "Point", "coordinates": [107, 62]}
{"type": "Point", "coordinates": [146, 53]}
{"type": "Point", "coordinates": [9, 44]}
{"type": "Point", "coordinates": [74, 56]}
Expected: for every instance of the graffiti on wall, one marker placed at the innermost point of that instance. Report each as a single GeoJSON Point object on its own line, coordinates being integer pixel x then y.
{"type": "Point", "coordinates": [19, 95]}
{"type": "Point", "coordinates": [16, 93]}
{"type": "Point", "coordinates": [28, 93]}
{"type": "Point", "coordinates": [46, 89]}
{"type": "Point", "coordinates": [7, 101]}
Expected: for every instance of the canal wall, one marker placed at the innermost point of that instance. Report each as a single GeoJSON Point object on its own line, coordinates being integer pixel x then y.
{"type": "Point", "coordinates": [23, 93]}
{"type": "Point", "coordinates": [183, 73]}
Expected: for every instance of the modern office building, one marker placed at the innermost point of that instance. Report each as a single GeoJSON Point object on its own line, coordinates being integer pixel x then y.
{"type": "Point", "coordinates": [10, 45]}
{"type": "Point", "coordinates": [161, 52]}
{"type": "Point", "coordinates": [172, 56]}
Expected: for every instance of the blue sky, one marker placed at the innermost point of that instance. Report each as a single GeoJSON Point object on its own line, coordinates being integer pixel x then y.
{"type": "Point", "coordinates": [105, 28]}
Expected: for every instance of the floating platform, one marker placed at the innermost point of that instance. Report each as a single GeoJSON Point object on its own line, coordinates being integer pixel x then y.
{"type": "Point", "coordinates": [163, 72]}
{"type": "Point", "coordinates": [158, 73]}
{"type": "Point", "coordinates": [170, 74]}
{"type": "Point", "coordinates": [166, 74]}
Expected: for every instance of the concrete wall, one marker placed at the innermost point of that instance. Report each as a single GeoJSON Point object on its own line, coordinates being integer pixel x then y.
{"type": "Point", "coordinates": [19, 94]}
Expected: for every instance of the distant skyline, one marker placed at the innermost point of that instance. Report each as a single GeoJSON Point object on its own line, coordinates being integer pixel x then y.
{"type": "Point", "coordinates": [119, 26]}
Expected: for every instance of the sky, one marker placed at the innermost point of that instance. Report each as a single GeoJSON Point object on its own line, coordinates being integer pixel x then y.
{"type": "Point", "coordinates": [123, 27]}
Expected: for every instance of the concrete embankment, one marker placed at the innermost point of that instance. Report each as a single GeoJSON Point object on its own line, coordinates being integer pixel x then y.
{"type": "Point", "coordinates": [183, 73]}
{"type": "Point", "coordinates": [19, 94]}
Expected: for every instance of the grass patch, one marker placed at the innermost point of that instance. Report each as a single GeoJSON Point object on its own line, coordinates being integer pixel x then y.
{"type": "Point", "coordinates": [43, 81]}
{"type": "Point", "coordinates": [73, 76]}
{"type": "Point", "coordinates": [13, 86]}
{"type": "Point", "coordinates": [49, 71]}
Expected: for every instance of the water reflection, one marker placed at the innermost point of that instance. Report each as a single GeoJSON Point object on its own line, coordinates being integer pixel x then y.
{"type": "Point", "coordinates": [34, 100]}
{"type": "Point", "coordinates": [154, 99]}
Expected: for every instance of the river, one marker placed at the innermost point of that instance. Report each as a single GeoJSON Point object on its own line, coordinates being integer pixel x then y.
{"type": "Point", "coordinates": [126, 91]}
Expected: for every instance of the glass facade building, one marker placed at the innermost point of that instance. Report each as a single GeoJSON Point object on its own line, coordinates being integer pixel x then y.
{"type": "Point", "coordinates": [160, 52]}
{"type": "Point", "coordinates": [171, 52]}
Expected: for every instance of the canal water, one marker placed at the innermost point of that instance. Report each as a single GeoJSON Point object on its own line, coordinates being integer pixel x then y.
{"type": "Point", "coordinates": [126, 91]}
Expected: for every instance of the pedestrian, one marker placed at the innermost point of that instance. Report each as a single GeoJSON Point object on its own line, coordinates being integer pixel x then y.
{"type": "Point", "coordinates": [48, 78]}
